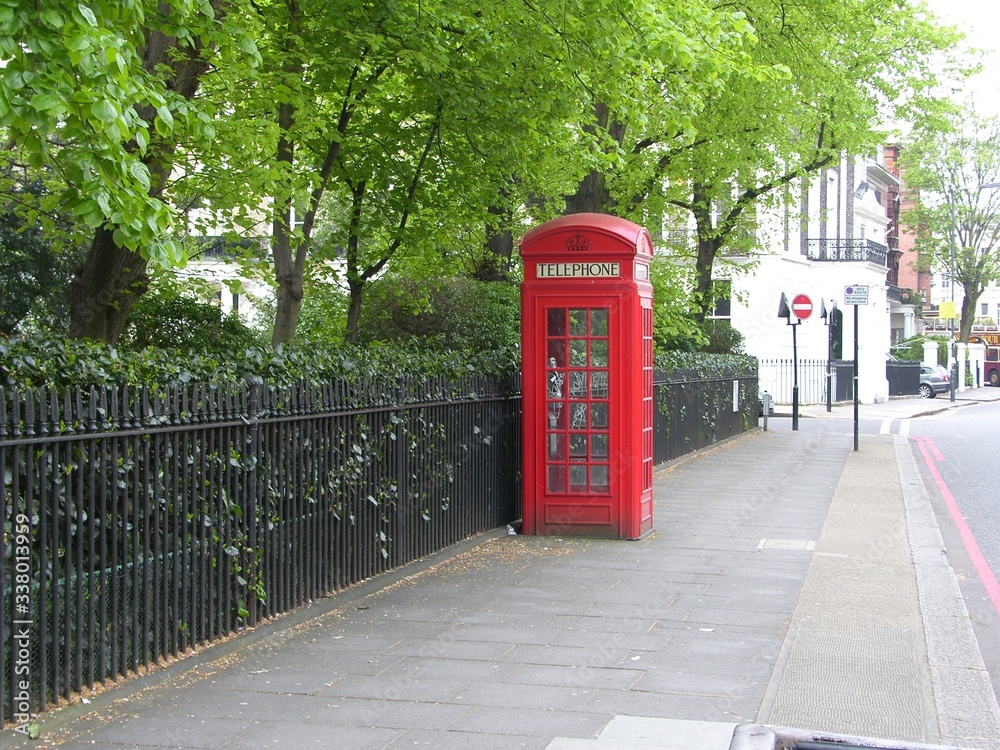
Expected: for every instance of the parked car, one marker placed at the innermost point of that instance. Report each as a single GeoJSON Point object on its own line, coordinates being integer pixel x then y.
{"type": "Point", "coordinates": [761, 400]}
{"type": "Point", "coordinates": [933, 380]}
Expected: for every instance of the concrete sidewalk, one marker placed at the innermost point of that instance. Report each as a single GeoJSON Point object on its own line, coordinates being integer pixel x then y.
{"type": "Point", "coordinates": [790, 581]}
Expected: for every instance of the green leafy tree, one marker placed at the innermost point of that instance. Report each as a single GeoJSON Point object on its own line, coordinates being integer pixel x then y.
{"type": "Point", "coordinates": [955, 169]}
{"type": "Point", "coordinates": [816, 82]}
{"type": "Point", "coordinates": [36, 258]}
{"type": "Point", "coordinates": [103, 94]}
{"type": "Point", "coordinates": [838, 83]}
{"type": "Point", "coordinates": [424, 121]}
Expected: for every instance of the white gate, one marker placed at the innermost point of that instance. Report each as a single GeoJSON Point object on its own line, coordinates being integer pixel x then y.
{"type": "Point", "coordinates": [777, 378]}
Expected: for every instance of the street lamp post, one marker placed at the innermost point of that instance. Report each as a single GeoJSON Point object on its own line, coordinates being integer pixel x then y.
{"type": "Point", "coordinates": [951, 321]}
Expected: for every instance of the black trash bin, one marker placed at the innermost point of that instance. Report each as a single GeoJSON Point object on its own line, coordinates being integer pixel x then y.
{"type": "Point", "coordinates": [843, 373]}
{"type": "Point", "coordinates": [903, 377]}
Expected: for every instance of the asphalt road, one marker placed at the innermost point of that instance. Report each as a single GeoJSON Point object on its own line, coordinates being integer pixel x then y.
{"type": "Point", "coordinates": [968, 441]}
{"type": "Point", "coordinates": [958, 452]}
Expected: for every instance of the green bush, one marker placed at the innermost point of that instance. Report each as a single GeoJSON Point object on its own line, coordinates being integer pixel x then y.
{"type": "Point", "coordinates": [722, 338]}
{"type": "Point", "coordinates": [674, 325]}
{"type": "Point", "coordinates": [704, 366]}
{"type": "Point", "coordinates": [912, 349]}
{"type": "Point", "coordinates": [166, 320]}
{"type": "Point", "coordinates": [442, 314]}
{"type": "Point", "coordinates": [60, 364]}
{"type": "Point", "coordinates": [323, 317]}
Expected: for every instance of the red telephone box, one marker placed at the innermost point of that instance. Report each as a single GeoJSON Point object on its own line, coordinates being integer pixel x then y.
{"type": "Point", "coordinates": [587, 378]}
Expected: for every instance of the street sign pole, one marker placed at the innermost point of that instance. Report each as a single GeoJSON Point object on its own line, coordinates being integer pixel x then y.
{"type": "Point", "coordinates": [802, 308]}
{"type": "Point", "coordinates": [856, 295]}
{"type": "Point", "coordinates": [855, 377]}
{"type": "Point", "coordinates": [795, 379]}
{"type": "Point", "coordinates": [829, 348]}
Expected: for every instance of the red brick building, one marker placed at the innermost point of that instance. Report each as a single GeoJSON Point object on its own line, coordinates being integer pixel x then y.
{"type": "Point", "coordinates": [904, 269]}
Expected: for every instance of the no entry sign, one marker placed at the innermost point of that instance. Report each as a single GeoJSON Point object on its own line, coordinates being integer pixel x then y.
{"type": "Point", "coordinates": [802, 306]}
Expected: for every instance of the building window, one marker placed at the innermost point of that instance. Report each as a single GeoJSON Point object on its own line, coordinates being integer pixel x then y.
{"type": "Point", "coordinates": [985, 309]}
{"type": "Point", "coordinates": [723, 300]}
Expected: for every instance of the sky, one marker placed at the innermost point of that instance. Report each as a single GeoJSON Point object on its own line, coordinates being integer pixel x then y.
{"type": "Point", "coordinates": [980, 20]}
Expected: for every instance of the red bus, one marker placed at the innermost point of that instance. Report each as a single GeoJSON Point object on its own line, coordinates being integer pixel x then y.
{"type": "Point", "coordinates": [991, 367]}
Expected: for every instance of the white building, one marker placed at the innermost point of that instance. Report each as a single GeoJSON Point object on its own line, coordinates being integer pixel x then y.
{"type": "Point", "coordinates": [838, 233]}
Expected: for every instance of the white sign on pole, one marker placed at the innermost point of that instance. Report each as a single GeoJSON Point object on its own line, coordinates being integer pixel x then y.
{"type": "Point", "coordinates": [856, 295]}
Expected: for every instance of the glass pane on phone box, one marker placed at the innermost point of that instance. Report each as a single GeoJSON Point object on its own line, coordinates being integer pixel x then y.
{"type": "Point", "coordinates": [578, 385]}
{"type": "Point", "coordinates": [578, 419]}
{"type": "Point", "coordinates": [599, 445]}
{"type": "Point", "coordinates": [599, 479]}
{"type": "Point", "coordinates": [555, 384]}
{"type": "Point", "coordinates": [557, 479]}
{"type": "Point", "coordinates": [578, 446]}
{"type": "Point", "coordinates": [577, 322]}
{"type": "Point", "coordinates": [598, 353]}
{"type": "Point", "coordinates": [599, 384]}
{"type": "Point", "coordinates": [599, 415]}
{"type": "Point", "coordinates": [557, 353]}
{"type": "Point", "coordinates": [599, 322]}
{"type": "Point", "coordinates": [577, 478]}
{"type": "Point", "coordinates": [557, 321]}
{"type": "Point", "coordinates": [578, 353]}
{"type": "Point", "coordinates": [557, 447]}
{"type": "Point", "coordinates": [557, 416]}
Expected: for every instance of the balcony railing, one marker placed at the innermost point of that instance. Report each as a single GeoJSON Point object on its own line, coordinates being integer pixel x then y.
{"type": "Point", "coordinates": [844, 251]}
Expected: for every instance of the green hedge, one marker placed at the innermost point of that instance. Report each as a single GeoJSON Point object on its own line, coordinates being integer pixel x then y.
{"type": "Point", "coordinates": [674, 366]}
{"type": "Point", "coordinates": [61, 363]}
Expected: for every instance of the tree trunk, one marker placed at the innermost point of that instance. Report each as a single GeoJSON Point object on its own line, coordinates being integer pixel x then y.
{"type": "Point", "coordinates": [111, 278]}
{"type": "Point", "coordinates": [969, 302]}
{"type": "Point", "coordinates": [289, 305]}
{"type": "Point", "coordinates": [288, 272]}
{"type": "Point", "coordinates": [708, 248]}
{"type": "Point", "coordinates": [354, 311]}
{"type": "Point", "coordinates": [592, 195]}
{"type": "Point", "coordinates": [104, 288]}
{"type": "Point", "coordinates": [708, 244]}
{"type": "Point", "coordinates": [495, 263]}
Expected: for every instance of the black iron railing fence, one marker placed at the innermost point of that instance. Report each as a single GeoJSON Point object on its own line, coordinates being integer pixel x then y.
{"type": "Point", "coordinates": [137, 527]}
{"type": "Point", "coordinates": [692, 414]}
{"type": "Point", "coordinates": [843, 251]}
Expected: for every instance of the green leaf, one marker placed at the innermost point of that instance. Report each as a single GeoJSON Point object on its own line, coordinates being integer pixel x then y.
{"type": "Point", "coordinates": [88, 14]}
{"type": "Point", "coordinates": [104, 111]}
{"type": "Point", "coordinates": [48, 102]}
{"type": "Point", "coordinates": [140, 173]}
{"type": "Point", "coordinates": [51, 17]}
{"type": "Point", "coordinates": [164, 115]}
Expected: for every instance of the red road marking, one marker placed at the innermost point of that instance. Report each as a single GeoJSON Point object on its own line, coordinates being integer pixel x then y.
{"type": "Point", "coordinates": [927, 447]}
